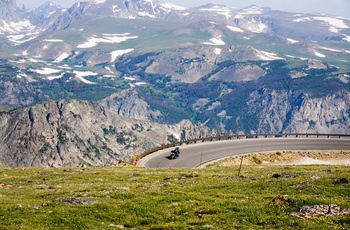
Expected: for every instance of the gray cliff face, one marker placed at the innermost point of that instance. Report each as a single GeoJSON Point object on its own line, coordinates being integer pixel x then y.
{"type": "Point", "coordinates": [73, 14]}
{"type": "Point", "coordinates": [288, 112]}
{"type": "Point", "coordinates": [44, 15]}
{"type": "Point", "coordinates": [70, 133]}
{"type": "Point", "coordinates": [9, 11]}
{"type": "Point", "coordinates": [127, 103]}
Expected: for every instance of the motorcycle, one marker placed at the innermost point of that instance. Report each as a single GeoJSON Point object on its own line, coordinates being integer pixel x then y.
{"type": "Point", "coordinates": [174, 153]}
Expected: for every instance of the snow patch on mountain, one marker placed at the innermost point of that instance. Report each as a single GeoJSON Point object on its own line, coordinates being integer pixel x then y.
{"type": "Point", "coordinates": [334, 23]}
{"type": "Point", "coordinates": [53, 40]}
{"type": "Point", "coordinates": [54, 77]}
{"type": "Point", "coordinates": [171, 6]}
{"type": "Point", "coordinates": [335, 50]}
{"type": "Point", "coordinates": [65, 66]}
{"type": "Point", "coordinates": [22, 75]}
{"type": "Point", "coordinates": [81, 74]}
{"type": "Point", "coordinates": [106, 38]}
{"type": "Point", "coordinates": [215, 42]}
{"type": "Point", "coordinates": [115, 9]}
{"type": "Point", "coordinates": [319, 54]}
{"type": "Point", "coordinates": [118, 53]}
{"type": "Point", "coordinates": [62, 57]}
{"type": "Point", "coordinates": [256, 27]}
{"type": "Point", "coordinates": [20, 61]}
{"type": "Point", "coordinates": [267, 56]}
{"type": "Point", "coordinates": [346, 38]}
{"type": "Point", "coordinates": [292, 40]}
{"type": "Point", "coordinates": [302, 19]}
{"type": "Point", "coordinates": [20, 39]}
{"type": "Point", "coordinates": [46, 71]}
{"type": "Point", "coordinates": [146, 14]}
{"type": "Point", "coordinates": [219, 10]}
{"type": "Point", "coordinates": [252, 10]}
{"type": "Point", "coordinates": [16, 27]}
{"type": "Point", "coordinates": [217, 51]}
{"type": "Point", "coordinates": [99, 1]}
{"type": "Point", "coordinates": [140, 83]}
{"type": "Point", "coordinates": [130, 78]}
{"type": "Point", "coordinates": [15, 38]}
{"type": "Point", "coordinates": [253, 24]}
{"type": "Point", "coordinates": [235, 29]}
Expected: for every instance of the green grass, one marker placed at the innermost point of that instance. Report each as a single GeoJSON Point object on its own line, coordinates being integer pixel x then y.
{"type": "Point", "coordinates": [211, 198]}
{"type": "Point", "coordinates": [169, 35]}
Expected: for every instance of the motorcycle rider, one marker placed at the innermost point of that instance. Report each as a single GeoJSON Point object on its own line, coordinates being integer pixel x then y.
{"type": "Point", "coordinates": [175, 153]}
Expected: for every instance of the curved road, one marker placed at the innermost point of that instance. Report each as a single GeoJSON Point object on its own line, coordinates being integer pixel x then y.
{"type": "Point", "coordinates": [195, 155]}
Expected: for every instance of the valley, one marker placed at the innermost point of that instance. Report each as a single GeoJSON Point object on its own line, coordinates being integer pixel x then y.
{"type": "Point", "coordinates": [223, 69]}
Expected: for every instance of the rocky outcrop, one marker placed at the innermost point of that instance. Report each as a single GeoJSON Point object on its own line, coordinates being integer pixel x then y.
{"type": "Point", "coordinates": [129, 104]}
{"type": "Point", "coordinates": [321, 211]}
{"type": "Point", "coordinates": [70, 133]}
{"type": "Point", "coordinates": [9, 11]}
{"type": "Point", "coordinates": [291, 111]}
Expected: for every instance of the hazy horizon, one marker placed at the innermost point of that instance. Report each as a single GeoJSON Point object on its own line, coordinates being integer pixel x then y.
{"type": "Point", "coordinates": [335, 7]}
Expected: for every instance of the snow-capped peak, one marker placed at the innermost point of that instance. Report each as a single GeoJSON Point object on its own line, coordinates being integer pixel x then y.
{"type": "Point", "coordinates": [99, 1]}
{"type": "Point", "coordinates": [171, 6]}
{"type": "Point", "coordinates": [252, 10]}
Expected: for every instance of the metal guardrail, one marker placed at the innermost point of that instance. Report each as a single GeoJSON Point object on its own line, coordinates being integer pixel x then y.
{"type": "Point", "coordinates": [232, 137]}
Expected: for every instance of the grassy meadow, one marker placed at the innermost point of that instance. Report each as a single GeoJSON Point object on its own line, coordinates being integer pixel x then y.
{"type": "Point", "coordinates": [139, 198]}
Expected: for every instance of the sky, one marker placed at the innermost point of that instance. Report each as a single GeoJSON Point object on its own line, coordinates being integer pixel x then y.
{"type": "Point", "coordinates": [331, 7]}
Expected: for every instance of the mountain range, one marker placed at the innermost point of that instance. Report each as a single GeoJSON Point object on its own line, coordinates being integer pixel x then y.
{"type": "Point", "coordinates": [249, 69]}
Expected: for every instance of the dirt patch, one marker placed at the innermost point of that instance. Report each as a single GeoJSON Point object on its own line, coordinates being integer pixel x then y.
{"type": "Point", "coordinates": [189, 175]}
{"type": "Point", "coordinates": [291, 158]}
{"type": "Point", "coordinates": [75, 201]}
{"type": "Point", "coordinates": [6, 185]}
{"type": "Point", "coordinates": [280, 200]}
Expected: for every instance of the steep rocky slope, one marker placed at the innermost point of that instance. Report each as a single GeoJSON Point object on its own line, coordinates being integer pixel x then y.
{"type": "Point", "coordinates": [128, 103]}
{"type": "Point", "coordinates": [269, 110]}
{"type": "Point", "coordinates": [70, 133]}
{"type": "Point", "coordinates": [288, 111]}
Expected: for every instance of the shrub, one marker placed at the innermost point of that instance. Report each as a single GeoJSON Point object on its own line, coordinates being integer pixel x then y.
{"type": "Point", "coordinates": [256, 160]}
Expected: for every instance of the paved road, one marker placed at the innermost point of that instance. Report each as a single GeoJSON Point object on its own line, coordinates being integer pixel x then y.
{"type": "Point", "coordinates": [195, 155]}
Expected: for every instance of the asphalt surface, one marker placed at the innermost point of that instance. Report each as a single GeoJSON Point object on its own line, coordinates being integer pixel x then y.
{"type": "Point", "coordinates": [196, 155]}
